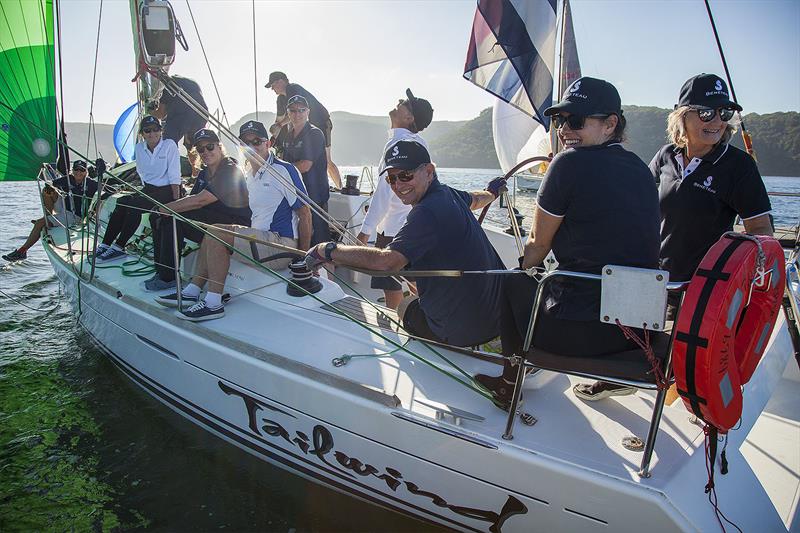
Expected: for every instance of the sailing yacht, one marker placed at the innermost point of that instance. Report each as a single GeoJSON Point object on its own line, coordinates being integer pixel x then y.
{"type": "Point", "coordinates": [327, 384]}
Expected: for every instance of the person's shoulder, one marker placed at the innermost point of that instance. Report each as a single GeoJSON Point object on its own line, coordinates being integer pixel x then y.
{"type": "Point", "coordinates": [230, 167]}
{"type": "Point", "coordinates": [169, 144]}
{"type": "Point", "coordinates": [665, 152]}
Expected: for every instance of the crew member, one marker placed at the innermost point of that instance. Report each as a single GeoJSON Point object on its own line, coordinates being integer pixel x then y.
{"type": "Point", "coordinates": [180, 120]}
{"type": "Point", "coordinates": [78, 190]}
{"type": "Point", "coordinates": [387, 213]}
{"type": "Point", "coordinates": [219, 196]}
{"type": "Point", "coordinates": [703, 184]}
{"type": "Point", "coordinates": [159, 167]}
{"type": "Point", "coordinates": [597, 205]}
{"type": "Point", "coordinates": [304, 146]}
{"type": "Point", "coordinates": [278, 216]}
{"type": "Point", "coordinates": [440, 233]}
{"type": "Point", "coordinates": [318, 116]}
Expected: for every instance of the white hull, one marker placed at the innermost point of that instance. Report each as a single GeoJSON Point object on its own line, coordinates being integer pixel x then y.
{"type": "Point", "coordinates": [262, 379]}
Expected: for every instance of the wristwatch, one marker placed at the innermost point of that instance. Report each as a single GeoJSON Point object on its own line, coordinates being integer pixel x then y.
{"type": "Point", "coordinates": [329, 248]}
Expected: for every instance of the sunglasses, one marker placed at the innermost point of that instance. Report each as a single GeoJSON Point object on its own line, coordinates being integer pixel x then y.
{"type": "Point", "coordinates": [575, 122]}
{"type": "Point", "coordinates": [150, 130]}
{"type": "Point", "coordinates": [707, 114]}
{"type": "Point", "coordinates": [298, 110]}
{"type": "Point", "coordinates": [255, 142]}
{"type": "Point", "coordinates": [206, 148]}
{"type": "Point", "coordinates": [404, 176]}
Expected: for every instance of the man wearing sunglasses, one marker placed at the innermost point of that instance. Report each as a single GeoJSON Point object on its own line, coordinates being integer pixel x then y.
{"type": "Point", "coordinates": [159, 167]}
{"type": "Point", "coordinates": [387, 214]}
{"type": "Point", "coordinates": [318, 116]}
{"type": "Point", "coordinates": [440, 232]}
{"type": "Point", "coordinates": [66, 209]}
{"type": "Point", "coordinates": [304, 147]}
{"type": "Point", "coordinates": [219, 196]}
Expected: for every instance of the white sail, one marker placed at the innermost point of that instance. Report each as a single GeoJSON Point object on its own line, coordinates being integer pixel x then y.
{"type": "Point", "coordinates": [517, 136]}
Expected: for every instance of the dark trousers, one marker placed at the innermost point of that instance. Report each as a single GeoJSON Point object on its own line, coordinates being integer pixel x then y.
{"type": "Point", "coordinates": [320, 230]}
{"type": "Point", "coordinates": [555, 335]}
{"type": "Point", "coordinates": [163, 242]}
{"type": "Point", "coordinates": [416, 323]}
{"type": "Point", "coordinates": [178, 126]}
{"type": "Point", "coordinates": [128, 213]}
{"type": "Point", "coordinates": [386, 283]}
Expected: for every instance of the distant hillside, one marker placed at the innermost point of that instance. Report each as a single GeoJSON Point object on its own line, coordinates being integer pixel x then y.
{"type": "Point", "coordinates": [358, 139]}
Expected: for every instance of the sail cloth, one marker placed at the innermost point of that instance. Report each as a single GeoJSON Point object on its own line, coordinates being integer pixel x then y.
{"type": "Point", "coordinates": [512, 53]}
{"type": "Point", "coordinates": [27, 91]}
{"type": "Point", "coordinates": [125, 133]}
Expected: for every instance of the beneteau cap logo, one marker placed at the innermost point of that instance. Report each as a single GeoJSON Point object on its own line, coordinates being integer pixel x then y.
{"type": "Point", "coordinates": [588, 96]}
{"type": "Point", "coordinates": [718, 85]}
{"type": "Point", "coordinates": [396, 151]}
{"type": "Point", "coordinates": [706, 90]}
{"type": "Point", "coordinates": [575, 87]}
{"type": "Point", "coordinates": [406, 155]}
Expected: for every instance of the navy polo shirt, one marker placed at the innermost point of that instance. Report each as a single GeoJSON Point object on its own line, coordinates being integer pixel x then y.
{"type": "Point", "coordinates": [442, 233]}
{"type": "Point", "coordinates": [309, 145]}
{"type": "Point", "coordinates": [700, 200]}
{"type": "Point", "coordinates": [177, 108]}
{"type": "Point", "coordinates": [229, 186]}
{"type": "Point", "coordinates": [609, 208]}
{"type": "Point", "coordinates": [317, 114]}
{"type": "Point", "coordinates": [80, 193]}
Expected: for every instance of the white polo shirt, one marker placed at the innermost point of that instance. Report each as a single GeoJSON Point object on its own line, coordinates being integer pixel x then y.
{"type": "Point", "coordinates": [272, 202]}
{"type": "Point", "coordinates": [160, 167]}
{"type": "Point", "coordinates": [387, 213]}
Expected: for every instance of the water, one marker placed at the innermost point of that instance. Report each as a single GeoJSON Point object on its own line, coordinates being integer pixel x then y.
{"type": "Point", "coordinates": [81, 448]}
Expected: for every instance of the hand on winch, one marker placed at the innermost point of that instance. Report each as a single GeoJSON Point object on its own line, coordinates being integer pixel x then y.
{"type": "Point", "coordinates": [315, 257]}
{"type": "Point", "coordinates": [497, 186]}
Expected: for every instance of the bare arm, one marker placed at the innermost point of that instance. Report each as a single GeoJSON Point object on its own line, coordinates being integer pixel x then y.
{"type": "Point", "coordinates": [187, 203]}
{"type": "Point", "coordinates": [540, 241]}
{"type": "Point", "coordinates": [759, 225]}
{"type": "Point", "coordinates": [368, 258]}
{"type": "Point", "coordinates": [304, 227]}
{"type": "Point", "coordinates": [481, 199]}
{"type": "Point", "coordinates": [176, 191]}
{"type": "Point", "coordinates": [304, 165]}
{"type": "Point", "coordinates": [280, 122]}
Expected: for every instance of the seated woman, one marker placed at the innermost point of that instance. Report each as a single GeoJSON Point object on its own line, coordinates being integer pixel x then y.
{"type": "Point", "coordinates": [279, 216]}
{"type": "Point", "coordinates": [703, 184]}
{"type": "Point", "coordinates": [159, 167]}
{"type": "Point", "coordinates": [597, 205]}
{"type": "Point", "coordinates": [63, 210]}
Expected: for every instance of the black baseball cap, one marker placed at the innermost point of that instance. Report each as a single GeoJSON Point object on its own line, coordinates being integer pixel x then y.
{"type": "Point", "coordinates": [253, 126]}
{"type": "Point", "coordinates": [421, 109]}
{"type": "Point", "coordinates": [706, 90]}
{"type": "Point", "coordinates": [275, 76]}
{"type": "Point", "coordinates": [297, 99]}
{"type": "Point", "coordinates": [149, 120]}
{"type": "Point", "coordinates": [588, 96]}
{"type": "Point", "coordinates": [79, 165]}
{"type": "Point", "coordinates": [406, 155]}
{"type": "Point", "coordinates": [204, 134]}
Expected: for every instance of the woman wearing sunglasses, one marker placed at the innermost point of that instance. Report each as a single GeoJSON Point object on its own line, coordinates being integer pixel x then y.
{"type": "Point", "coordinates": [159, 167]}
{"type": "Point", "coordinates": [597, 205]}
{"type": "Point", "coordinates": [219, 196]}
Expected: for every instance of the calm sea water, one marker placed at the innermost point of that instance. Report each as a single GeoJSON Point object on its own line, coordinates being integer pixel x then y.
{"type": "Point", "coordinates": [81, 448]}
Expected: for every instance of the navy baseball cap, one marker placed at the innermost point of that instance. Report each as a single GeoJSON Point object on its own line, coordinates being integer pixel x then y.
{"type": "Point", "coordinates": [588, 96]}
{"type": "Point", "coordinates": [421, 109]}
{"type": "Point", "coordinates": [79, 165]}
{"type": "Point", "coordinates": [149, 120]}
{"type": "Point", "coordinates": [406, 155]}
{"type": "Point", "coordinates": [275, 76]}
{"type": "Point", "coordinates": [255, 127]}
{"type": "Point", "coordinates": [706, 90]}
{"type": "Point", "coordinates": [297, 99]}
{"type": "Point", "coordinates": [204, 135]}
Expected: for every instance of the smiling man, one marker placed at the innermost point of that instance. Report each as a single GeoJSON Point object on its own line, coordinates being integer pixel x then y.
{"type": "Point", "coordinates": [440, 233]}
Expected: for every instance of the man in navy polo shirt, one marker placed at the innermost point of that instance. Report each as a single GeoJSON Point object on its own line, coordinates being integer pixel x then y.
{"type": "Point", "coordinates": [440, 233]}
{"type": "Point", "coordinates": [304, 146]}
{"type": "Point", "coordinates": [318, 115]}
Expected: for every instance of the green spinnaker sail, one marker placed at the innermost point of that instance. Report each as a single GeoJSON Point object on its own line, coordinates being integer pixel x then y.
{"type": "Point", "coordinates": [28, 125]}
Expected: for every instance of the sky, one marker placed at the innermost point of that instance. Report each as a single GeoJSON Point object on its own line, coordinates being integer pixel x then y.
{"type": "Point", "coordinates": [360, 55]}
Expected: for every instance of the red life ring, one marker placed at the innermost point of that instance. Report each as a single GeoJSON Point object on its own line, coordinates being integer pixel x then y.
{"type": "Point", "coordinates": [724, 324]}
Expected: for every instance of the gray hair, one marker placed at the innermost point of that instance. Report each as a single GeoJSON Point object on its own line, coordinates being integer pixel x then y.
{"type": "Point", "coordinates": [676, 127]}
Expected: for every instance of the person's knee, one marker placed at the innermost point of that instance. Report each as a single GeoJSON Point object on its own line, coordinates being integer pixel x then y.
{"type": "Point", "coordinates": [404, 304]}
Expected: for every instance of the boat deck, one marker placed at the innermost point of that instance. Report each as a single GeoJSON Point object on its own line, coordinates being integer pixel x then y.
{"type": "Point", "coordinates": [580, 435]}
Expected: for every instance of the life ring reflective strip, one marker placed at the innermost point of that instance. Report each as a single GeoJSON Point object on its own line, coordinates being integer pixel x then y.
{"type": "Point", "coordinates": [728, 313]}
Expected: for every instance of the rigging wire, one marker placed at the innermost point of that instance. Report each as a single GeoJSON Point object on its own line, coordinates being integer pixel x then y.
{"type": "Point", "coordinates": [63, 151]}
{"type": "Point", "coordinates": [92, 130]}
{"type": "Point", "coordinates": [255, 62]}
{"type": "Point", "coordinates": [203, 49]}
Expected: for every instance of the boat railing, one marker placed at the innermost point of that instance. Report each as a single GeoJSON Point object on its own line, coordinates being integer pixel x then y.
{"type": "Point", "coordinates": [643, 306]}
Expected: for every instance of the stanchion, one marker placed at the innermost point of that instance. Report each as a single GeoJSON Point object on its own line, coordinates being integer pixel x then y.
{"type": "Point", "coordinates": [177, 257]}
